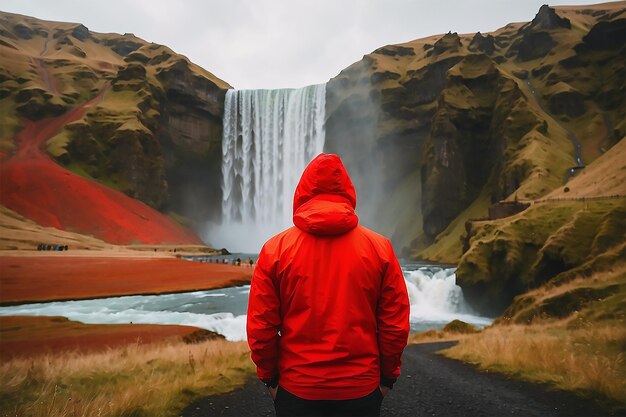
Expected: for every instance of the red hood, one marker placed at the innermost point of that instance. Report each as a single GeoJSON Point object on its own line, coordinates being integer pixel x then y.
{"type": "Point", "coordinates": [325, 199]}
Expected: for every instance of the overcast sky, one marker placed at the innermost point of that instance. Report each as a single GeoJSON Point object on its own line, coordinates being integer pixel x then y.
{"type": "Point", "coordinates": [281, 43]}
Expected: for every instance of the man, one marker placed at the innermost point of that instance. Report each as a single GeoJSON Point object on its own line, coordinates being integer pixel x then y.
{"type": "Point", "coordinates": [328, 315]}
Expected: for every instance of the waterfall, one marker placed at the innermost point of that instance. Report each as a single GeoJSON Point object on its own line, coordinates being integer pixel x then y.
{"type": "Point", "coordinates": [269, 138]}
{"type": "Point", "coordinates": [435, 298]}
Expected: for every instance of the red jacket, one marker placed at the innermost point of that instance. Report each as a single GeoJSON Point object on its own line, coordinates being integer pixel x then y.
{"type": "Point", "coordinates": [328, 310]}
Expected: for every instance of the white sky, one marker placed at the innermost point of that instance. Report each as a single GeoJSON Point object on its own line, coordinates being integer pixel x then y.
{"type": "Point", "coordinates": [281, 43]}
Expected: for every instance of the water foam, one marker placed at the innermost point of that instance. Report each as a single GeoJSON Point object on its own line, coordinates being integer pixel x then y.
{"type": "Point", "coordinates": [435, 298]}
{"type": "Point", "coordinates": [189, 309]}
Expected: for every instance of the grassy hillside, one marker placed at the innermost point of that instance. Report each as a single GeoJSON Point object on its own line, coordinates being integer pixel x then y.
{"type": "Point", "coordinates": [579, 226]}
{"type": "Point", "coordinates": [20, 233]}
{"type": "Point", "coordinates": [448, 124]}
{"type": "Point", "coordinates": [160, 119]}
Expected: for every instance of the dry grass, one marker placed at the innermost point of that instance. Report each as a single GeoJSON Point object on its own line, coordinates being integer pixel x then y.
{"type": "Point", "coordinates": [138, 380]}
{"type": "Point", "coordinates": [588, 359]}
{"type": "Point", "coordinates": [431, 336]}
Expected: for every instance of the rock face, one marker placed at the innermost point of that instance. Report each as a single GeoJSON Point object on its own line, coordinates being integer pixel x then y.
{"type": "Point", "coordinates": [191, 134]}
{"type": "Point", "coordinates": [482, 43]}
{"type": "Point", "coordinates": [436, 130]}
{"type": "Point", "coordinates": [547, 18]}
{"type": "Point", "coordinates": [156, 136]}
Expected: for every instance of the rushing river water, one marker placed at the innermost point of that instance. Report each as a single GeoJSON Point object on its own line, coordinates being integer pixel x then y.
{"type": "Point", "coordinates": [435, 300]}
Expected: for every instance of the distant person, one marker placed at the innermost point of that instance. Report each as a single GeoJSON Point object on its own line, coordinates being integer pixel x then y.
{"type": "Point", "coordinates": [238, 261]}
{"type": "Point", "coordinates": [250, 262]}
{"type": "Point", "coordinates": [328, 313]}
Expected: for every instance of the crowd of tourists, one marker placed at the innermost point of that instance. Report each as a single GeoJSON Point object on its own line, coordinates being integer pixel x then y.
{"type": "Point", "coordinates": [234, 261]}
{"type": "Point", "coordinates": [51, 247]}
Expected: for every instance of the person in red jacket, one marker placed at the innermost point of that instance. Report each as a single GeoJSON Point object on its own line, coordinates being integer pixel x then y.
{"type": "Point", "coordinates": [328, 314]}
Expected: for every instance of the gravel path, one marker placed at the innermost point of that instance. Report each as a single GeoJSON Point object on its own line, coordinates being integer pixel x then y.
{"type": "Point", "coordinates": [430, 385]}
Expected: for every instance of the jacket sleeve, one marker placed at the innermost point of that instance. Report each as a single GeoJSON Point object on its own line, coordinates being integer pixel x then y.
{"type": "Point", "coordinates": [263, 322]}
{"type": "Point", "coordinates": [393, 320]}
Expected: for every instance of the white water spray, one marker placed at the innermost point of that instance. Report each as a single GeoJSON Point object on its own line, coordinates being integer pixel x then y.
{"type": "Point", "coordinates": [435, 297]}
{"type": "Point", "coordinates": [269, 138]}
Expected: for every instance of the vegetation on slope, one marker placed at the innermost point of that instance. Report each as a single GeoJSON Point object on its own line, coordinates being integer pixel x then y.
{"type": "Point", "coordinates": [507, 257]}
{"type": "Point", "coordinates": [464, 118]}
{"type": "Point", "coordinates": [155, 132]}
{"type": "Point", "coordinates": [581, 223]}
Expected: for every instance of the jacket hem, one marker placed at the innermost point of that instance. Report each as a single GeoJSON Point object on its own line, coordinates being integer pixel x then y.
{"type": "Point", "coordinates": [326, 392]}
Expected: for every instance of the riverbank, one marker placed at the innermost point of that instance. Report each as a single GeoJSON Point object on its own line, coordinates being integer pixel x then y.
{"type": "Point", "coordinates": [24, 337]}
{"type": "Point", "coordinates": [54, 366]}
{"type": "Point", "coordinates": [43, 277]}
{"type": "Point", "coordinates": [155, 379]}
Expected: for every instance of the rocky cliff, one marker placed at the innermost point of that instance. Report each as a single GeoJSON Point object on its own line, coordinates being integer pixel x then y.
{"type": "Point", "coordinates": [438, 129]}
{"type": "Point", "coordinates": [156, 135]}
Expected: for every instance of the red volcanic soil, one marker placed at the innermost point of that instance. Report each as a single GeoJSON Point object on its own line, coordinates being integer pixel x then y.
{"type": "Point", "coordinates": [37, 188]}
{"type": "Point", "coordinates": [46, 278]}
{"type": "Point", "coordinates": [29, 336]}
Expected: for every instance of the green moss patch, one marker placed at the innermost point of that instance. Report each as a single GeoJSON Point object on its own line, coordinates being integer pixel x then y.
{"type": "Point", "coordinates": [507, 257]}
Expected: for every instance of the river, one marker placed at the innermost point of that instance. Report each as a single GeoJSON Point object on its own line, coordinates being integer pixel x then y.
{"type": "Point", "coordinates": [435, 300]}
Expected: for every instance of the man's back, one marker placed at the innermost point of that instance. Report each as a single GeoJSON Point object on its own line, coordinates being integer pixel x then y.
{"type": "Point", "coordinates": [335, 292]}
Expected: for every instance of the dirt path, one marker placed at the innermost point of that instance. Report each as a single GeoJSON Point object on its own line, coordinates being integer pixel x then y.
{"type": "Point", "coordinates": [431, 385]}
{"type": "Point", "coordinates": [571, 135]}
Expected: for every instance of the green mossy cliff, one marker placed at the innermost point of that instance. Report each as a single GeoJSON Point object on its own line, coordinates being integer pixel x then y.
{"type": "Point", "coordinates": [483, 116]}
{"type": "Point", "coordinates": [436, 130]}
{"type": "Point", "coordinates": [155, 136]}
{"type": "Point", "coordinates": [545, 243]}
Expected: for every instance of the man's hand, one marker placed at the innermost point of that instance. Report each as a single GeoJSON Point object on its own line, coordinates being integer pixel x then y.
{"type": "Point", "coordinates": [273, 392]}
{"type": "Point", "coordinates": [384, 390]}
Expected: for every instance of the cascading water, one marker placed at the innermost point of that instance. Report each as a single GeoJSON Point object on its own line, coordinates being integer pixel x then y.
{"type": "Point", "coordinates": [269, 138]}
{"type": "Point", "coordinates": [436, 299]}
